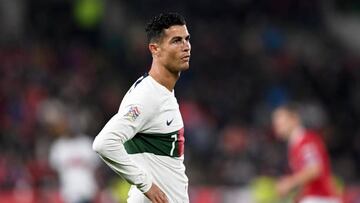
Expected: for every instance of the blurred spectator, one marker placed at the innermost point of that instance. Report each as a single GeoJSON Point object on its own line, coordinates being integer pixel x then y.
{"type": "Point", "coordinates": [71, 156]}
{"type": "Point", "coordinates": [307, 156]}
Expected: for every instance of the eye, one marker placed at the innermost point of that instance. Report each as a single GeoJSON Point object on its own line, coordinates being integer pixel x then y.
{"type": "Point", "coordinates": [177, 40]}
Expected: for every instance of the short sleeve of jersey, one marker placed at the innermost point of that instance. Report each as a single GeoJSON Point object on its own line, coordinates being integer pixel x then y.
{"type": "Point", "coordinates": [309, 154]}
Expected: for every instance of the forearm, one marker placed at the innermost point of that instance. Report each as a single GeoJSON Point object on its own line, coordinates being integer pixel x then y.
{"type": "Point", "coordinates": [110, 148]}
{"type": "Point", "coordinates": [306, 175]}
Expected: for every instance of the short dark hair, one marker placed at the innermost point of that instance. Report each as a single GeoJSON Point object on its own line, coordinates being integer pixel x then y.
{"type": "Point", "coordinates": [292, 107]}
{"type": "Point", "coordinates": [154, 29]}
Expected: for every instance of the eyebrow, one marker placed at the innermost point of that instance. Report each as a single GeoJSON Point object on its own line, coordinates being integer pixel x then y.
{"type": "Point", "coordinates": [179, 37]}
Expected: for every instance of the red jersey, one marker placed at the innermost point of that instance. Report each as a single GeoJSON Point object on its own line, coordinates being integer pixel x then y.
{"type": "Point", "coordinates": [305, 149]}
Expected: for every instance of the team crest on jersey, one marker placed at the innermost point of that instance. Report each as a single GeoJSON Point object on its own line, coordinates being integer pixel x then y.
{"type": "Point", "coordinates": [132, 114]}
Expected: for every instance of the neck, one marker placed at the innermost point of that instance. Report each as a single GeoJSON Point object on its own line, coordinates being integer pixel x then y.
{"type": "Point", "coordinates": [164, 76]}
{"type": "Point", "coordinates": [296, 133]}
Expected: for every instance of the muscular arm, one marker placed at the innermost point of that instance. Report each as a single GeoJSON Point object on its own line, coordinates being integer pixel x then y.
{"type": "Point", "coordinates": [300, 178]}
{"type": "Point", "coordinates": [306, 175]}
{"type": "Point", "coordinates": [310, 171]}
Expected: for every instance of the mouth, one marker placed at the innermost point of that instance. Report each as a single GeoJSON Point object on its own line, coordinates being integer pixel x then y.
{"type": "Point", "coordinates": [185, 58]}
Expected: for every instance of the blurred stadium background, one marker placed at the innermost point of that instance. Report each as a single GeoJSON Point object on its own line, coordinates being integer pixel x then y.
{"type": "Point", "coordinates": [65, 65]}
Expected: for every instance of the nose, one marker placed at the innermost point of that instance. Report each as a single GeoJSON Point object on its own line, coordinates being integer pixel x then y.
{"type": "Point", "coordinates": [187, 46]}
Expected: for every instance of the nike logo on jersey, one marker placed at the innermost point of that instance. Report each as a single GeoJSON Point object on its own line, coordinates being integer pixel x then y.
{"type": "Point", "coordinates": [169, 122]}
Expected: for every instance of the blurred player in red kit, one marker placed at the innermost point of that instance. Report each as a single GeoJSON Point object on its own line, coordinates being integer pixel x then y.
{"type": "Point", "coordinates": [308, 159]}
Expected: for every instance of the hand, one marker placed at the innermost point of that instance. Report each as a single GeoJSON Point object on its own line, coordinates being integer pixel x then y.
{"type": "Point", "coordinates": [284, 186]}
{"type": "Point", "coordinates": [156, 195]}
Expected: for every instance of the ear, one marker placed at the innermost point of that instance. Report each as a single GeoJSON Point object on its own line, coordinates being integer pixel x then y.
{"type": "Point", "coordinates": [154, 49]}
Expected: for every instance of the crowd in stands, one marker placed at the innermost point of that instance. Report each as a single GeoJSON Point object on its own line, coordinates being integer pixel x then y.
{"type": "Point", "coordinates": [247, 58]}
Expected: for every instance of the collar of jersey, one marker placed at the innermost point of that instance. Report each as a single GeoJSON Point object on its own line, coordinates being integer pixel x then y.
{"type": "Point", "coordinates": [165, 90]}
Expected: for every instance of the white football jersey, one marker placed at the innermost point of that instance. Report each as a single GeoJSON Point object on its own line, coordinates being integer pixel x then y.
{"type": "Point", "coordinates": [144, 141]}
{"type": "Point", "coordinates": [76, 163]}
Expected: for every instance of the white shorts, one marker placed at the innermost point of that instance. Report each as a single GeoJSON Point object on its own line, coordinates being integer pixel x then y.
{"type": "Point", "coordinates": [172, 181]}
{"type": "Point", "coordinates": [136, 196]}
{"type": "Point", "coordinates": [317, 199]}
